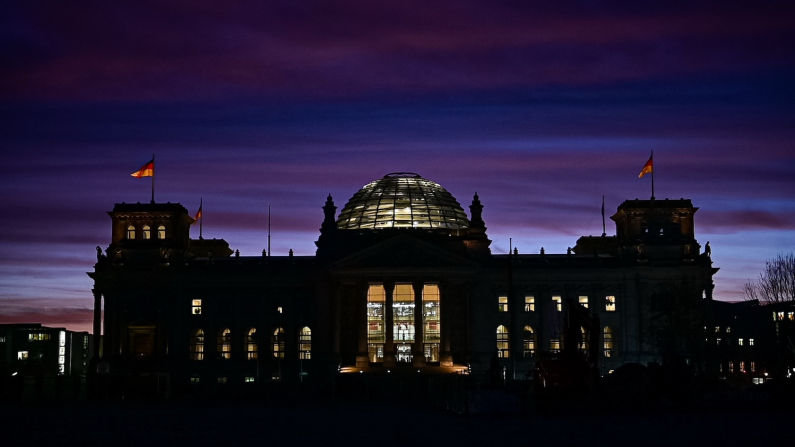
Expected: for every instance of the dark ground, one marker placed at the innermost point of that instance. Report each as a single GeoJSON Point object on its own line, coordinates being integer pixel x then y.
{"type": "Point", "coordinates": [378, 424]}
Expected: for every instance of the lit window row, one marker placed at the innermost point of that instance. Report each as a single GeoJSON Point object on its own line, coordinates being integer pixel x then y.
{"type": "Point", "coordinates": [529, 342]}
{"type": "Point", "coordinates": [146, 232]}
{"type": "Point", "coordinates": [530, 303]}
{"type": "Point", "coordinates": [779, 316]}
{"type": "Point", "coordinates": [38, 336]}
{"type": "Point", "coordinates": [250, 344]}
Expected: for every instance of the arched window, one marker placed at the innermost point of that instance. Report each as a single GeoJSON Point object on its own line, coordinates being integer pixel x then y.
{"type": "Point", "coordinates": [529, 342]}
{"type": "Point", "coordinates": [130, 232]}
{"type": "Point", "coordinates": [609, 341]}
{"type": "Point", "coordinates": [147, 233]}
{"type": "Point", "coordinates": [161, 232]}
{"type": "Point", "coordinates": [503, 342]}
{"type": "Point", "coordinates": [278, 343]}
{"type": "Point", "coordinates": [305, 344]}
{"type": "Point", "coordinates": [197, 345]}
{"type": "Point", "coordinates": [251, 344]}
{"type": "Point", "coordinates": [225, 344]}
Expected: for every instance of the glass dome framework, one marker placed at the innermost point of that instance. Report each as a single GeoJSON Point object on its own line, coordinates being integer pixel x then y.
{"type": "Point", "coordinates": [402, 200]}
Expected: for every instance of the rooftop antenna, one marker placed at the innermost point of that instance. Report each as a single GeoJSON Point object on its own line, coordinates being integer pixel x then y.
{"type": "Point", "coordinates": [269, 229]}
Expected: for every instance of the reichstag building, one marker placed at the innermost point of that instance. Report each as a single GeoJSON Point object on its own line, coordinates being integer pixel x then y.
{"type": "Point", "coordinates": [403, 280]}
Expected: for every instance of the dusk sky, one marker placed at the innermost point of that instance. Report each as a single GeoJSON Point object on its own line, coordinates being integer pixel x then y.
{"type": "Point", "coordinates": [541, 110]}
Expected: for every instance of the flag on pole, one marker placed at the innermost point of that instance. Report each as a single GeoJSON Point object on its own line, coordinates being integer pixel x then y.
{"type": "Point", "coordinates": [648, 168]}
{"type": "Point", "coordinates": [148, 170]}
{"type": "Point", "coordinates": [198, 215]}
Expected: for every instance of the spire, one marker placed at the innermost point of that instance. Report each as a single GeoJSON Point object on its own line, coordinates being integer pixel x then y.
{"type": "Point", "coordinates": [329, 212]}
{"type": "Point", "coordinates": [476, 211]}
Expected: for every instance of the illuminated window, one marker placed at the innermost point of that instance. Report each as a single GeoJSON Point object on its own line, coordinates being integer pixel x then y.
{"type": "Point", "coordinates": [750, 342]}
{"type": "Point", "coordinates": [717, 341]}
{"type": "Point", "coordinates": [720, 368]}
{"type": "Point", "coordinates": [197, 307]}
{"type": "Point", "coordinates": [791, 316]}
{"type": "Point", "coordinates": [225, 344]}
{"type": "Point", "coordinates": [130, 232]}
{"type": "Point", "coordinates": [583, 300]}
{"type": "Point", "coordinates": [279, 309]}
{"type": "Point", "coordinates": [22, 355]}
{"type": "Point", "coordinates": [529, 342]}
{"type": "Point", "coordinates": [248, 379]}
{"type": "Point", "coordinates": [305, 344]}
{"type": "Point", "coordinates": [222, 381]}
{"type": "Point", "coordinates": [194, 380]}
{"type": "Point", "coordinates": [278, 343]}
{"type": "Point", "coordinates": [731, 367]}
{"type": "Point", "coordinates": [778, 316]}
{"type": "Point", "coordinates": [197, 345]}
{"type": "Point", "coordinates": [2, 339]}
{"type": "Point", "coordinates": [740, 342]}
{"type": "Point", "coordinates": [529, 304]}
{"type": "Point", "coordinates": [432, 352]}
{"type": "Point", "coordinates": [610, 303]}
{"type": "Point", "coordinates": [503, 342]}
{"type": "Point", "coordinates": [251, 344]}
{"type": "Point", "coordinates": [161, 232]}
{"type": "Point", "coordinates": [717, 329]}
{"type": "Point", "coordinates": [554, 345]}
{"type": "Point", "coordinates": [376, 352]}
{"type": "Point", "coordinates": [502, 304]}
{"type": "Point", "coordinates": [431, 324]}
{"type": "Point", "coordinates": [728, 329]}
{"type": "Point", "coordinates": [753, 367]}
{"type": "Point", "coordinates": [147, 233]}
{"type": "Point", "coordinates": [38, 336]}
{"type": "Point", "coordinates": [376, 322]}
{"type": "Point", "coordinates": [403, 352]}
{"type": "Point", "coordinates": [558, 303]}
{"type": "Point", "coordinates": [608, 340]}
{"type": "Point", "coordinates": [742, 367]}
{"type": "Point", "coordinates": [403, 313]}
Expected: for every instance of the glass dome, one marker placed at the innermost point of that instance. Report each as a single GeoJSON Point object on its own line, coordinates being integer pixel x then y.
{"type": "Point", "coordinates": [402, 200]}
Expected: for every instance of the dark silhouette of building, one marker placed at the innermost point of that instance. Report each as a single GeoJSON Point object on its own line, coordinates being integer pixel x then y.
{"type": "Point", "coordinates": [403, 280]}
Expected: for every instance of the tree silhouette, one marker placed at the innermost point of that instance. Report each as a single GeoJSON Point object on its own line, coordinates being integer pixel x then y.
{"type": "Point", "coordinates": [776, 283]}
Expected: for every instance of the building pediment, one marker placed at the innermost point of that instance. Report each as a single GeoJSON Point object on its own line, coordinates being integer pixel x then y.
{"type": "Point", "coordinates": [402, 252]}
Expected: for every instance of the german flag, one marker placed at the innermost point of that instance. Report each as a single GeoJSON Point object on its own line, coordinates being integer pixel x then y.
{"type": "Point", "coordinates": [198, 215]}
{"type": "Point", "coordinates": [148, 170]}
{"type": "Point", "coordinates": [648, 168]}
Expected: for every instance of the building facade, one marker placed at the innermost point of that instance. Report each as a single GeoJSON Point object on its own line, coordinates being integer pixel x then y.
{"type": "Point", "coordinates": [403, 279]}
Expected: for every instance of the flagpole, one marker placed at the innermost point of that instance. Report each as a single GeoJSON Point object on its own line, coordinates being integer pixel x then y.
{"type": "Point", "coordinates": [652, 174]}
{"type": "Point", "coordinates": [201, 217]}
{"type": "Point", "coordinates": [604, 233]}
{"type": "Point", "coordinates": [153, 177]}
{"type": "Point", "coordinates": [269, 229]}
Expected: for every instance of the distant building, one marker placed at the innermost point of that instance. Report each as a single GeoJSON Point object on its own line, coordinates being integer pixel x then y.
{"type": "Point", "coordinates": [403, 280]}
{"type": "Point", "coordinates": [750, 343]}
{"type": "Point", "coordinates": [33, 349]}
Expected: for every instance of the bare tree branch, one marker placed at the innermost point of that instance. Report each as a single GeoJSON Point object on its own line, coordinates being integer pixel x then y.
{"type": "Point", "coordinates": [776, 283]}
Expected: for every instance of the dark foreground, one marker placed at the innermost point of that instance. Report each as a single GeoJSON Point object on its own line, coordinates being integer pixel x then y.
{"type": "Point", "coordinates": [378, 424]}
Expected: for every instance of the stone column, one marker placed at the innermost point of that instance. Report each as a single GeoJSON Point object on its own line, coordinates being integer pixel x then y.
{"type": "Point", "coordinates": [446, 309]}
{"type": "Point", "coordinates": [389, 346]}
{"type": "Point", "coordinates": [418, 348]}
{"type": "Point", "coordinates": [362, 359]}
{"type": "Point", "coordinates": [97, 322]}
